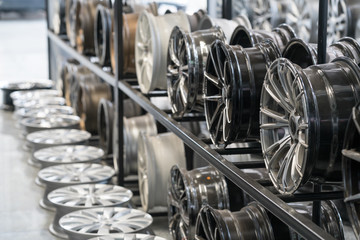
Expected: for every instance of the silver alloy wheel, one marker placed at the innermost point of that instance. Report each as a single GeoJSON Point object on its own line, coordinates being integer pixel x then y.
{"type": "Point", "coordinates": [350, 169]}
{"type": "Point", "coordinates": [262, 12]}
{"type": "Point", "coordinates": [188, 192]}
{"type": "Point", "coordinates": [251, 222]}
{"type": "Point", "coordinates": [31, 94]}
{"type": "Point", "coordinates": [45, 101]}
{"type": "Point", "coordinates": [232, 90]}
{"type": "Point", "coordinates": [337, 20]}
{"type": "Point", "coordinates": [128, 236]}
{"type": "Point", "coordinates": [43, 112]}
{"type": "Point", "coordinates": [292, 115]}
{"type": "Point", "coordinates": [186, 60]}
{"type": "Point", "coordinates": [152, 39]}
{"type": "Point", "coordinates": [84, 224]}
{"type": "Point", "coordinates": [132, 128]}
{"type": "Point", "coordinates": [30, 125]}
{"type": "Point", "coordinates": [72, 174]}
{"type": "Point", "coordinates": [72, 198]}
{"type": "Point", "coordinates": [56, 137]}
{"type": "Point", "coordinates": [67, 154]}
{"type": "Point", "coordinates": [156, 155]}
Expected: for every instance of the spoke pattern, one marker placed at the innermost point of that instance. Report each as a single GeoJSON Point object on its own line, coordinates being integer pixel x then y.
{"type": "Point", "coordinates": [337, 20]}
{"type": "Point", "coordinates": [284, 126]}
{"type": "Point", "coordinates": [58, 136]}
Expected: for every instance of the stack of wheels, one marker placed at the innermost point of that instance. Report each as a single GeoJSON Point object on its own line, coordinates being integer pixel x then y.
{"type": "Point", "coordinates": [296, 106]}
{"type": "Point", "coordinates": [56, 137]}
{"type": "Point", "coordinates": [186, 60]}
{"type": "Point", "coordinates": [350, 168]}
{"type": "Point", "coordinates": [129, 236]}
{"type": "Point", "coordinates": [67, 154]}
{"type": "Point", "coordinates": [228, 26]}
{"type": "Point", "coordinates": [305, 54]}
{"type": "Point", "coordinates": [254, 222]}
{"type": "Point", "coordinates": [10, 87]}
{"type": "Point", "coordinates": [108, 221]}
{"type": "Point", "coordinates": [106, 121]}
{"type": "Point", "coordinates": [132, 128]}
{"type": "Point", "coordinates": [156, 156]}
{"type": "Point", "coordinates": [89, 94]}
{"type": "Point", "coordinates": [232, 89]}
{"type": "Point", "coordinates": [85, 196]}
{"type": "Point", "coordinates": [151, 55]}
{"type": "Point", "coordinates": [188, 192]}
{"type": "Point", "coordinates": [63, 175]}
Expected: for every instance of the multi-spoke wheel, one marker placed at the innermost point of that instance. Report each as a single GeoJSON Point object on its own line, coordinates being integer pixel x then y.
{"type": "Point", "coordinates": [251, 222]}
{"type": "Point", "coordinates": [67, 154]}
{"type": "Point", "coordinates": [188, 192]}
{"type": "Point", "coordinates": [337, 26]}
{"type": "Point", "coordinates": [30, 125]}
{"type": "Point", "coordinates": [264, 14]}
{"type": "Point", "coordinates": [151, 47]}
{"type": "Point", "coordinates": [186, 60]}
{"type": "Point", "coordinates": [129, 236]}
{"type": "Point", "coordinates": [350, 169]}
{"type": "Point", "coordinates": [44, 102]}
{"type": "Point", "coordinates": [156, 156]}
{"type": "Point", "coordinates": [296, 106]}
{"type": "Point", "coordinates": [78, 197]}
{"type": "Point", "coordinates": [132, 128]}
{"type": "Point", "coordinates": [232, 89]}
{"type": "Point", "coordinates": [10, 87]}
{"type": "Point", "coordinates": [50, 138]}
{"type": "Point", "coordinates": [84, 224]}
{"type": "Point", "coordinates": [227, 26]}
{"type": "Point", "coordinates": [72, 174]}
{"type": "Point", "coordinates": [246, 37]}
{"type": "Point", "coordinates": [305, 54]}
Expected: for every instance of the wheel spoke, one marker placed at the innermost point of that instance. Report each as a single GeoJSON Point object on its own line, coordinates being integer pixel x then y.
{"type": "Point", "coordinates": [274, 115]}
{"type": "Point", "coordinates": [353, 198]}
{"type": "Point", "coordinates": [352, 154]}
{"type": "Point", "coordinates": [276, 98]}
{"type": "Point", "coordinates": [277, 144]}
{"type": "Point", "coordinates": [215, 115]}
{"type": "Point", "coordinates": [272, 126]}
{"type": "Point", "coordinates": [214, 80]}
{"type": "Point", "coordinates": [284, 168]}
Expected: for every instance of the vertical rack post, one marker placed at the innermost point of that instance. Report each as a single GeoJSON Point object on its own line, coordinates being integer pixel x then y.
{"type": "Point", "coordinates": [118, 95]}
{"type": "Point", "coordinates": [48, 39]}
{"type": "Point", "coordinates": [322, 30]}
{"type": "Point", "coordinates": [227, 9]}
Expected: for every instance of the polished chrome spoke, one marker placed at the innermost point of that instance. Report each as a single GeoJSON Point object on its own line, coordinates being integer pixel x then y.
{"type": "Point", "coordinates": [274, 95]}
{"type": "Point", "coordinates": [214, 80]}
{"type": "Point", "coordinates": [284, 172]}
{"type": "Point", "coordinates": [274, 115]}
{"type": "Point", "coordinates": [277, 145]}
{"type": "Point", "coordinates": [272, 126]}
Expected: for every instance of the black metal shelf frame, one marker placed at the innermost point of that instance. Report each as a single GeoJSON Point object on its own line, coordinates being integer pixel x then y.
{"type": "Point", "coordinates": [270, 201]}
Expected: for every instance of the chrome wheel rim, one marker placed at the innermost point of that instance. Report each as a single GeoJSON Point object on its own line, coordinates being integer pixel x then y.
{"type": "Point", "coordinates": [68, 154]}
{"type": "Point", "coordinates": [284, 126]}
{"type": "Point", "coordinates": [43, 112]}
{"type": "Point", "coordinates": [50, 122]}
{"type": "Point", "coordinates": [90, 195]}
{"type": "Point", "coordinates": [261, 14]}
{"type": "Point", "coordinates": [104, 221]}
{"type": "Point", "coordinates": [39, 102]}
{"type": "Point", "coordinates": [337, 20]}
{"type": "Point", "coordinates": [31, 94]}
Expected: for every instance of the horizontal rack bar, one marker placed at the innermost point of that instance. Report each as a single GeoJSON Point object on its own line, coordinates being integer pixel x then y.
{"type": "Point", "coordinates": [107, 77]}
{"type": "Point", "coordinates": [274, 204]}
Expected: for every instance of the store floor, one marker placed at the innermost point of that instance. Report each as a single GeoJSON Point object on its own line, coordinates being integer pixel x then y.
{"type": "Point", "coordinates": [23, 55]}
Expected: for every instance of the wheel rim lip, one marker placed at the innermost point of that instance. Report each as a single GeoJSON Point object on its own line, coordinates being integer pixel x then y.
{"type": "Point", "coordinates": [110, 173]}
{"type": "Point", "coordinates": [44, 111]}
{"type": "Point", "coordinates": [65, 148]}
{"type": "Point", "coordinates": [297, 42]}
{"type": "Point", "coordinates": [242, 29]}
{"type": "Point", "coordinates": [305, 168]}
{"type": "Point", "coordinates": [78, 212]}
{"type": "Point", "coordinates": [115, 189]}
{"type": "Point", "coordinates": [46, 134]}
{"type": "Point", "coordinates": [50, 122]}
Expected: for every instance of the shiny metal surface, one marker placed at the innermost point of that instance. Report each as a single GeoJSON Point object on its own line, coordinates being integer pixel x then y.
{"type": "Point", "coordinates": [71, 174]}
{"type": "Point", "coordinates": [43, 112]}
{"type": "Point", "coordinates": [251, 222]}
{"type": "Point", "coordinates": [50, 138]}
{"type": "Point", "coordinates": [267, 14]}
{"type": "Point", "coordinates": [226, 25]}
{"type": "Point", "coordinates": [151, 41]}
{"type": "Point", "coordinates": [89, 94]}
{"type": "Point", "coordinates": [156, 156]}
{"type": "Point", "coordinates": [232, 87]}
{"type": "Point", "coordinates": [186, 60]}
{"type": "Point", "coordinates": [31, 124]}
{"type": "Point", "coordinates": [195, 19]}
{"type": "Point", "coordinates": [85, 196]}
{"type": "Point", "coordinates": [72, 9]}
{"type": "Point", "coordinates": [132, 128]}
{"type": "Point", "coordinates": [128, 236]}
{"type": "Point", "coordinates": [305, 54]}
{"type": "Point", "coordinates": [188, 192]}
{"type": "Point", "coordinates": [67, 154]}
{"type": "Point", "coordinates": [246, 37]}
{"type": "Point", "coordinates": [84, 224]}
{"type": "Point", "coordinates": [45, 101]}
{"type": "Point", "coordinates": [30, 94]}
{"type": "Point", "coordinates": [296, 106]}
{"type": "Point", "coordinates": [350, 167]}
{"type": "Point", "coordinates": [58, 18]}
{"type": "Point", "coordinates": [102, 34]}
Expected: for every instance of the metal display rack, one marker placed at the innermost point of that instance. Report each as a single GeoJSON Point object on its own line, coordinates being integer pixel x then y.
{"type": "Point", "coordinates": [276, 204]}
